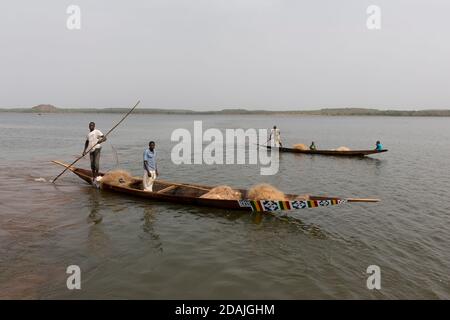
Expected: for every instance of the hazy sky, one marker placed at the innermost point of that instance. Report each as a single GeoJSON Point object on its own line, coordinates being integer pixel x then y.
{"type": "Point", "coordinates": [214, 54]}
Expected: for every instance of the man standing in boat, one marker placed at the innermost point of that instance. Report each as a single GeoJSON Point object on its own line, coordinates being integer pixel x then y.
{"type": "Point", "coordinates": [150, 167]}
{"type": "Point", "coordinates": [275, 133]}
{"type": "Point", "coordinates": [93, 144]}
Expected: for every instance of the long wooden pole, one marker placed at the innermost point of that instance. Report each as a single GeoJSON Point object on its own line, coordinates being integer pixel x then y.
{"type": "Point", "coordinates": [70, 165]}
{"type": "Point", "coordinates": [362, 200]}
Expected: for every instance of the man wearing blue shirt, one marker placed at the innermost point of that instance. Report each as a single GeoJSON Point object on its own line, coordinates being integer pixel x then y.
{"type": "Point", "coordinates": [150, 168]}
{"type": "Point", "coordinates": [379, 146]}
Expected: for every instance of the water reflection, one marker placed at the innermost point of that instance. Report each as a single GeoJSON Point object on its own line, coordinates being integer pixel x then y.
{"type": "Point", "coordinates": [98, 242]}
{"type": "Point", "coordinates": [309, 229]}
{"type": "Point", "coordinates": [94, 215]}
{"type": "Point", "coordinates": [257, 218]}
{"type": "Point", "coordinates": [288, 222]}
{"type": "Point", "coordinates": [148, 227]}
{"type": "Point", "coordinates": [374, 163]}
{"type": "Point", "coordinates": [370, 160]}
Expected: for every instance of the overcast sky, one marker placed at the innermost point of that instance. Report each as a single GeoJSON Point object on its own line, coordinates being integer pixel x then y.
{"type": "Point", "coordinates": [214, 54]}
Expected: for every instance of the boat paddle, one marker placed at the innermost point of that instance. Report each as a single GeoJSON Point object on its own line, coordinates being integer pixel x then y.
{"type": "Point", "coordinates": [128, 113]}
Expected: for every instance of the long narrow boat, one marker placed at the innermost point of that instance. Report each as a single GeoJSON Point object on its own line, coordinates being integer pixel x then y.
{"type": "Point", "coordinates": [350, 153]}
{"type": "Point", "coordinates": [191, 194]}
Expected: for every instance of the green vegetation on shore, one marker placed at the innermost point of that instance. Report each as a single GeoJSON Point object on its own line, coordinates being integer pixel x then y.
{"type": "Point", "coordinates": [320, 112]}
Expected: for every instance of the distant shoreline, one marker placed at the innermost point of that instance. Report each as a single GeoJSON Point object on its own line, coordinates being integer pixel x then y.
{"type": "Point", "coordinates": [320, 112]}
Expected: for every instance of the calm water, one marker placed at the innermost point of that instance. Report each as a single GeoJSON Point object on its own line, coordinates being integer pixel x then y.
{"type": "Point", "coordinates": [139, 249]}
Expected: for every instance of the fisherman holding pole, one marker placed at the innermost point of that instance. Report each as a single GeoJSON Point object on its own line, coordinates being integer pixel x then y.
{"type": "Point", "coordinates": [276, 135]}
{"type": "Point", "coordinates": [103, 138]}
{"type": "Point", "coordinates": [93, 143]}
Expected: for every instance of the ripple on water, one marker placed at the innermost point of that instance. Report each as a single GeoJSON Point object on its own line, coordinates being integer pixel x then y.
{"type": "Point", "coordinates": [156, 250]}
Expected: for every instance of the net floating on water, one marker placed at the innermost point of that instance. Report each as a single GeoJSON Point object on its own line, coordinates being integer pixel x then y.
{"type": "Point", "coordinates": [265, 191]}
{"type": "Point", "coordinates": [222, 193]}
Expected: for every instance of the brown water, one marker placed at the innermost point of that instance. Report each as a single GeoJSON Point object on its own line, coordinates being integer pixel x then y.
{"type": "Point", "coordinates": [131, 248]}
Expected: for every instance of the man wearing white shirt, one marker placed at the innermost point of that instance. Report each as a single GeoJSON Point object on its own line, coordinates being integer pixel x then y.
{"type": "Point", "coordinates": [276, 135]}
{"type": "Point", "coordinates": [93, 145]}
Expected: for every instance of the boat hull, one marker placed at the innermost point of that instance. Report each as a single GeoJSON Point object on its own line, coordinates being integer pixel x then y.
{"type": "Point", "coordinates": [243, 205]}
{"type": "Point", "coordinates": [190, 194]}
{"type": "Point", "coordinates": [351, 153]}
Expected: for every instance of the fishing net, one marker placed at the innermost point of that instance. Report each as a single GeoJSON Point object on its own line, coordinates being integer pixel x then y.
{"type": "Point", "coordinates": [222, 193]}
{"type": "Point", "coordinates": [343, 149]}
{"type": "Point", "coordinates": [265, 191]}
{"type": "Point", "coordinates": [118, 178]}
{"type": "Point", "coordinates": [300, 146]}
{"type": "Point", "coordinates": [115, 156]}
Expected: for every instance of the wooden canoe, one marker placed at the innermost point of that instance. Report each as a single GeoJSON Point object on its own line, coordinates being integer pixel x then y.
{"type": "Point", "coordinates": [190, 194]}
{"type": "Point", "coordinates": [351, 153]}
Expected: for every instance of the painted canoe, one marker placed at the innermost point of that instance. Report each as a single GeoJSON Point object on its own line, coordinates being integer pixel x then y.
{"type": "Point", "coordinates": [191, 194]}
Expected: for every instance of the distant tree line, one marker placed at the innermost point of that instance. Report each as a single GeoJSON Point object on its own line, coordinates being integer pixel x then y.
{"type": "Point", "coordinates": [320, 112]}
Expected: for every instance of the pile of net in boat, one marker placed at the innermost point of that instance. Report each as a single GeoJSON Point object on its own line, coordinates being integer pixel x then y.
{"type": "Point", "coordinates": [222, 193]}
{"type": "Point", "coordinates": [262, 191]}
{"type": "Point", "coordinates": [265, 191]}
{"type": "Point", "coordinates": [343, 149]}
{"type": "Point", "coordinates": [118, 178]}
{"type": "Point", "coordinates": [300, 146]}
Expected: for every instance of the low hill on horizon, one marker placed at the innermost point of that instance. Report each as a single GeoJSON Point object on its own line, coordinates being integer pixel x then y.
{"type": "Point", "coordinates": [48, 108]}
{"type": "Point", "coordinates": [44, 108]}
